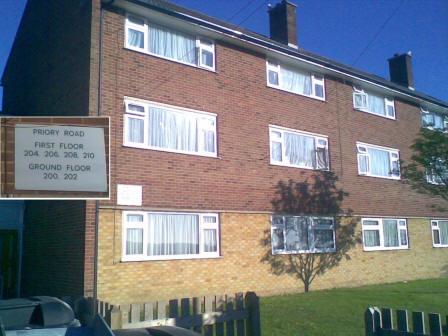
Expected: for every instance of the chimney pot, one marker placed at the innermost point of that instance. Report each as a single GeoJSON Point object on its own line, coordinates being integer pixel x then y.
{"type": "Point", "coordinates": [400, 69]}
{"type": "Point", "coordinates": [283, 24]}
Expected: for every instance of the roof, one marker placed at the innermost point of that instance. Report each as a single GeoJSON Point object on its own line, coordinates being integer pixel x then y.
{"type": "Point", "coordinates": [193, 16]}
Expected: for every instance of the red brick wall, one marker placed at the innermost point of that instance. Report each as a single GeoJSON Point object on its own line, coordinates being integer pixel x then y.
{"type": "Point", "coordinates": [241, 178]}
{"type": "Point", "coordinates": [48, 69]}
{"type": "Point", "coordinates": [54, 249]}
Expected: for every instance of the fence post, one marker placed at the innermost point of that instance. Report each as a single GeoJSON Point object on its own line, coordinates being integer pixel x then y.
{"type": "Point", "coordinates": [253, 306]}
{"type": "Point", "coordinates": [435, 324]}
{"type": "Point", "coordinates": [402, 320]}
{"type": "Point", "coordinates": [386, 319]}
{"type": "Point", "coordinates": [115, 318]}
{"type": "Point", "coordinates": [418, 322]}
{"type": "Point", "coordinates": [372, 319]}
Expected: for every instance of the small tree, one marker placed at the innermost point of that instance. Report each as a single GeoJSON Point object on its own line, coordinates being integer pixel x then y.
{"type": "Point", "coordinates": [427, 172]}
{"type": "Point", "coordinates": [317, 195]}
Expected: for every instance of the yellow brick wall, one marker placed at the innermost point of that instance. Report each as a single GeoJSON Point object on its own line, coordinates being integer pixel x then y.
{"type": "Point", "coordinates": [240, 268]}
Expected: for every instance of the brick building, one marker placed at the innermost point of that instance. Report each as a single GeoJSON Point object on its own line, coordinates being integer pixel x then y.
{"type": "Point", "coordinates": [207, 122]}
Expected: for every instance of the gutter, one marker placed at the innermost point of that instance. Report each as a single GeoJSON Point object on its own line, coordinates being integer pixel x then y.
{"type": "Point", "coordinates": [283, 50]}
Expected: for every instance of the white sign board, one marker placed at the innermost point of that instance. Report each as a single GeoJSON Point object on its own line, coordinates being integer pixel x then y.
{"type": "Point", "coordinates": [62, 158]}
{"type": "Point", "coordinates": [129, 194]}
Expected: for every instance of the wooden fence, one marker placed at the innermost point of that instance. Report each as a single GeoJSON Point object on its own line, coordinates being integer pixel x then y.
{"type": "Point", "coordinates": [381, 323]}
{"type": "Point", "coordinates": [226, 315]}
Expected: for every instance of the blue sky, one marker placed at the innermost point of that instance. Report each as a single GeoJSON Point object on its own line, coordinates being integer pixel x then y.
{"type": "Point", "coordinates": [360, 33]}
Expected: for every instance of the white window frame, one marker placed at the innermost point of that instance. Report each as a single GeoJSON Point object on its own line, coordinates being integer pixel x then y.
{"type": "Point", "coordinates": [388, 102]}
{"type": "Point", "coordinates": [431, 127]}
{"type": "Point", "coordinates": [145, 27]}
{"type": "Point", "coordinates": [316, 79]}
{"type": "Point", "coordinates": [435, 227]}
{"type": "Point", "coordinates": [202, 46]}
{"type": "Point", "coordinates": [200, 115]}
{"type": "Point", "coordinates": [141, 28]}
{"type": "Point", "coordinates": [402, 225]}
{"type": "Point", "coordinates": [311, 227]}
{"type": "Point", "coordinates": [144, 225]}
{"type": "Point", "coordinates": [284, 130]}
{"type": "Point", "coordinates": [394, 157]}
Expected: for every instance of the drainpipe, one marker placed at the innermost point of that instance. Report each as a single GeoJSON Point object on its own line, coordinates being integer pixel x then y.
{"type": "Point", "coordinates": [97, 203]}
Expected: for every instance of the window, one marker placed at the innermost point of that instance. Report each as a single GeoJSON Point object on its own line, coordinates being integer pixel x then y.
{"type": "Point", "coordinates": [157, 236]}
{"type": "Point", "coordinates": [373, 103]}
{"type": "Point", "coordinates": [302, 234]}
{"type": "Point", "coordinates": [439, 230]}
{"type": "Point", "coordinates": [168, 43]}
{"type": "Point", "coordinates": [378, 161]}
{"type": "Point", "coordinates": [295, 81]}
{"type": "Point", "coordinates": [384, 234]}
{"type": "Point", "coordinates": [438, 173]}
{"type": "Point", "coordinates": [295, 149]}
{"type": "Point", "coordinates": [434, 121]}
{"type": "Point", "coordinates": [162, 127]}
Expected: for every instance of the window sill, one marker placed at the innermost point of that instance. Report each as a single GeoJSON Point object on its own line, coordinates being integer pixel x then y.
{"type": "Point", "coordinates": [373, 249]}
{"type": "Point", "coordinates": [381, 177]}
{"type": "Point", "coordinates": [168, 258]}
{"type": "Point", "coordinates": [442, 130]}
{"type": "Point", "coordinates": [170, 59]}
{"type": "Point", "coordinates": [298, 94]}
{"type": "Point", "coordinates": [375, 114]}
{"type": "Point", "coordinates": [292, 166]}
{"type": "Point", "coordinates": [439, 246]}
{"type": "Point", "coordinates": [169, 151]}
{"type": "Point", "coordinates": [306, 252]}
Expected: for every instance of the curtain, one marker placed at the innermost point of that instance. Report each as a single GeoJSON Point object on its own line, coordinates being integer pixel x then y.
{"type": "Point", "coordinates": [300, 150]}
{"type": "Point", "coordinates": [379, 162]}
{"type": "Point", "coordinates": [403, 237]}
{"type": "Point", "coordinates": [276, 151]}
{"type": "Point", "coordinates": [360, 100]}
{"type": "Point", "coordinates": [371, 238]}
{"type": "Point", "coordinates": [172, 44]}
{"type": "Point", "coordinates": [376, 104]}
{"type": "Point", "coordinates": [273, 77]}
{"type": "Point", "coordinates": [173, 234]}
{"type": "Point", "coordinates": [296, 234]}
{"type": "Point", "coordinates": [172, 130]}
{"type": "Point", "coordinates": [322, 158]}
{"type": "Point", "coordinates": [209, 141]}
{"type": "Point", "coordinates": [427, 119]}
{"type": "Point", "coordinates": [210, 240]}
{"type": "Point", "coordinates": [135, 130]}
{"type": "Point", "coordinates": [390, 233]}
{"type": "Point", "coordinates": [278, 242]}
{"type": "Point", "coordinates": [295, 81]}
{"type": "Point", "coordinates": [207, 58]}
{"type": "Point", "coordinates": [134, 241]}
{"type": "Point", "coordinates": [443, 226]}
{"type": "Point", "coordinates": [363, 161]}
{"type": "Point", "coordinates": [136, 38]}
{"type": "Point", "coordinates": [438, 122]}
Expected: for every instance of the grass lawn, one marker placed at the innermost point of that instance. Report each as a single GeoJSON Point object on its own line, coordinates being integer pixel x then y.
{"type": "Point", "coordinates": [341, 311]}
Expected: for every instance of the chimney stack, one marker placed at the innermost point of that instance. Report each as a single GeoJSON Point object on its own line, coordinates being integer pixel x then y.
{"type": "Point", "coordinates": [400, 69]}
{"type": "Point", "coordinates": [282, 22]}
